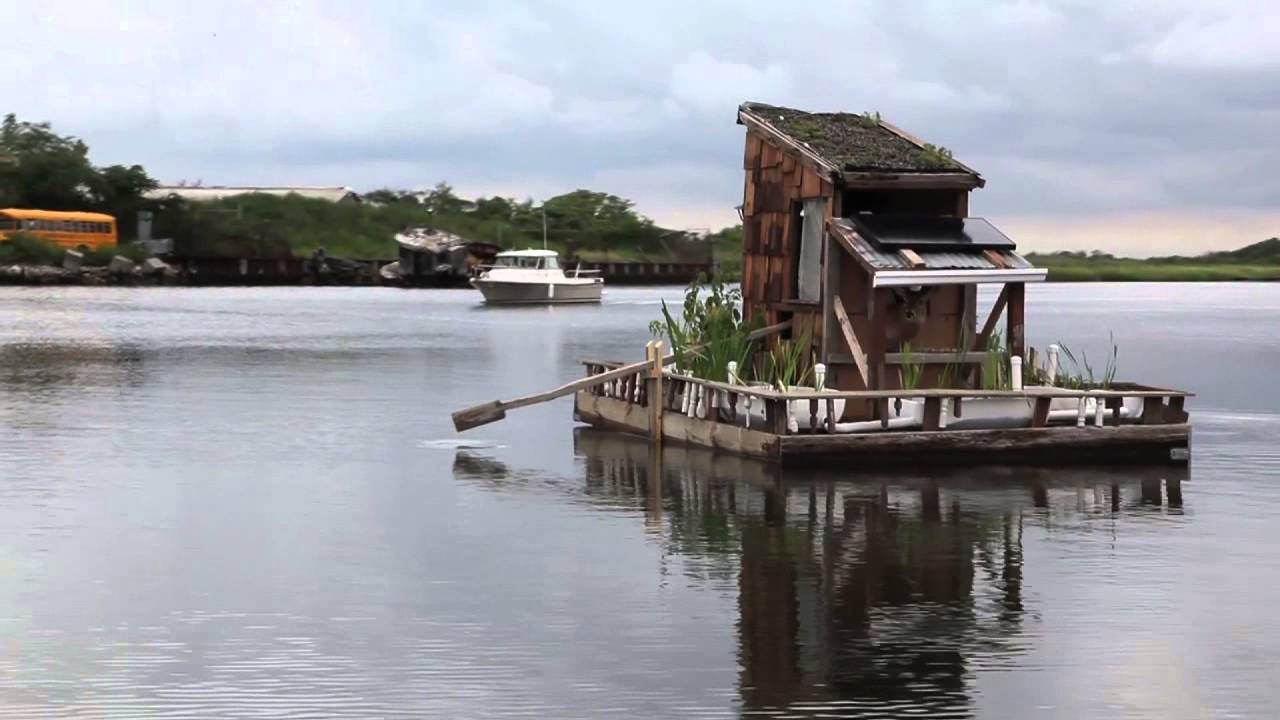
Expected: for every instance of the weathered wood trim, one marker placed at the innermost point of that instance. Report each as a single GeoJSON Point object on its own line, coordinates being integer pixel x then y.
{"type": "Point", "coordinates": [935, 358]}
{"type": "Point", "coordinates": [851, 340]}
{"type": "Point", "coordinates": [913, 181]}
{"type": "Point", "coordinates": [610, 414]}
{"type": "Point", "coordinates": [1145, 443]}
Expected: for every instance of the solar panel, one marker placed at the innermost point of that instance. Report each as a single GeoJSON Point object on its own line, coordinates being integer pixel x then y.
{"type": "Point", "coordinates": [923, 232]}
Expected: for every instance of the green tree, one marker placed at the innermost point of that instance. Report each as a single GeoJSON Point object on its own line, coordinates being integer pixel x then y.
{"type": "Point", "coordinates": [48, 171]}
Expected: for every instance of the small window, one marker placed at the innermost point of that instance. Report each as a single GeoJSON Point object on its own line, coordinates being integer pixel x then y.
{"type": "Point", "coordinates": [6, 224]}
{"type": "Point", "coordinates": [552, 264]}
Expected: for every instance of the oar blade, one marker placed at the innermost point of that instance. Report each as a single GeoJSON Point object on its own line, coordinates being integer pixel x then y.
{"type": "Point", "coordinates": [478, 415]}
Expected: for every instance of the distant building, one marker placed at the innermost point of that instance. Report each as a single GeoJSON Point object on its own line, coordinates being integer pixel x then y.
{"type": "Point", "coordinates": [210, 193]}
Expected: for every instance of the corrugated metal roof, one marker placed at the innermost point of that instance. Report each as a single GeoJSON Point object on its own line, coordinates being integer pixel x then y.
{"type": "Point", "coordinates": [884, 259]}
{"type": "Point", "coordinates": [209, 193]}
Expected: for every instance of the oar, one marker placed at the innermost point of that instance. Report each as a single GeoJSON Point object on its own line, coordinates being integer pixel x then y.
{"type": "Point", "coordinates": [497, 409]}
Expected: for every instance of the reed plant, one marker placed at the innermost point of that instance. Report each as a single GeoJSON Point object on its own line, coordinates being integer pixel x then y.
{"type": "Point", "coordinates": [789, 362]}
{"type": "Point", "coordinates": [1080, 375]}
{"type": "Point", "coordinates": [710, 332]}
{"type": "Point", "coordinates": [910, 371]}
{"type": "Point", "coordinates": [995, 364]}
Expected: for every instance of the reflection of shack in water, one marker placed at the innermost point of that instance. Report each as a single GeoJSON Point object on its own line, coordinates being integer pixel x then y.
{"type": "Point", "coordinates": [863, 593]}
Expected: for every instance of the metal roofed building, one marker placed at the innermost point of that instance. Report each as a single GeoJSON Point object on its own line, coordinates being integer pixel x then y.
{"type": "Point", "coordinates": [210, 193]}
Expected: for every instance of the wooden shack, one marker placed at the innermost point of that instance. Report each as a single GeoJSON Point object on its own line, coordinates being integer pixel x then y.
{"type": "Point", "coordinates": [859, 233]}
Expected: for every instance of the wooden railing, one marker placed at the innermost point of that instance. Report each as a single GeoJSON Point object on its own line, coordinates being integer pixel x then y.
{"type": "Point", "coordinates": [719, 402]}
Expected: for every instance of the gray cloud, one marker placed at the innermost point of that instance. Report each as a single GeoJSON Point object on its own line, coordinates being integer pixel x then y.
{"type": "Point", "coordinates": [1068, 108]}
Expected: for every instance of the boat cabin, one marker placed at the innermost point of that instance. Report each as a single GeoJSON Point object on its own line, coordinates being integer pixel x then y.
{"type": "Point", "coordinates": [528, 260]}
{"type": "Point", "coordinates": [859, 233]}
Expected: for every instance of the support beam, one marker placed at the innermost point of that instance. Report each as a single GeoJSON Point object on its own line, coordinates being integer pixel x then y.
{"type": "Point", "coordinates": [1017, 336]}
{"type": "Point", "coordinates": [980, 343]}
{"type": "Point", "coordinates": [851, 340]}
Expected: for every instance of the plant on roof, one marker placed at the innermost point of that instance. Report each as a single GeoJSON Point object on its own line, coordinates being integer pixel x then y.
{"type": "Point", "coordinates": [868, 119]}
{"type": "Point", "coordinates": [934, 156]}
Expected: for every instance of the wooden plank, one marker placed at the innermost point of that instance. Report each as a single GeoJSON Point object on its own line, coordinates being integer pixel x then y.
{"type": "Point", "coordinates": [751, 235]}
{"type": "Point", "coordinates": [1057, 445]}
{"type": "Point", "coordinates": [995, 258]}
{"type": "Point", "coordinates": [755, 145]}
{"type": "Point", "coordinates": [851, 340]}
{"type": "Point", "coordinates": [911, 257]}
{"type": "Point", "coordinates": [1040, 416]}
{"type": "Point", "coordinates": [788, 163]}
{"type": "Point", "coordinates": [749, 193]}
{"type": "Point", "coordinates": [1173, 412]}
{"type": "Point", "coordinates": [935, 358]}
{"type": "Point", "coordinates": [610, 414]}
{"type": "Point", "coordinates": [810, 184]}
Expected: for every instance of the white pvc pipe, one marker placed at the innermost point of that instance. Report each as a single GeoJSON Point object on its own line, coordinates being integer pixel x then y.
{"type": "Point", "coordinates": [820, 377]}
{"type": "Point", "coordinates": [1069, 415]}
{"type": "Point", "coordinates": [1052, 369]}
{"type": "Point", "coordinates": [1015, 372]}
{"type": "Point", "coordinates": [1099, 411]}
{"type": "Point", "coordinates": [862, 426]}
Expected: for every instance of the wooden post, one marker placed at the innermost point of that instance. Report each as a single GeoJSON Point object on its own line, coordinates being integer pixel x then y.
{"type": "Point", "coordinates": [1152, 410]}
{"type": "Point", "coordinates": [653, 353]}
{"type": "Point", "coordinates": [1040, 417]}
{"type": "Point", "coordinates": [932, 413]}
{"type": "Point", "coordinates": [1017, 319]}
{"type": "Point", "coordinates": [879, 310]}
{"type": "Point", "coordinates": [831, 416]}
{"type": "Point", "coordinates": [1114, 404]}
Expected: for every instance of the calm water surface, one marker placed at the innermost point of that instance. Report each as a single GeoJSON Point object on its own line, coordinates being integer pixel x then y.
{"type": "Point", "coordinates": [251, 503]}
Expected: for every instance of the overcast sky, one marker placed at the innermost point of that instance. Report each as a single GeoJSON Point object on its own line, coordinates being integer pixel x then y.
{"type": "Point", "coordinates": [1132, 126]}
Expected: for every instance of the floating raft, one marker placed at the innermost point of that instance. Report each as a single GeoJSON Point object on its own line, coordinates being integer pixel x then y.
{"type": "Point", "coordinates": [1125, 424]}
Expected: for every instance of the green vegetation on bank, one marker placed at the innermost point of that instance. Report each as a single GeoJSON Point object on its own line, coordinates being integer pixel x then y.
{"type": "Point", "coordinates": [42, 169]}
{"type": "Point", "coordinates": [1259, 261]}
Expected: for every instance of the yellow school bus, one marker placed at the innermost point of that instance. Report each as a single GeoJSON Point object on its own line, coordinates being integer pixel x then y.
{"type": "Point", "coordinates": [85, 230]}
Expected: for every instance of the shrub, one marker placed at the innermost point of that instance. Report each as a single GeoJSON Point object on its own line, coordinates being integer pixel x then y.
{"type": "Point", "coordinates": [23, 248]}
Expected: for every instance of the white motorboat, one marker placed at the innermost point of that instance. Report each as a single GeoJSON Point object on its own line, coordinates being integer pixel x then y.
{"type": "Point", "coordinates": [529, 277]}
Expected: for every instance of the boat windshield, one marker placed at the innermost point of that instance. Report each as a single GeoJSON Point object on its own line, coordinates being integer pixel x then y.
{"type": "Point", "coordinates": [528, 263]}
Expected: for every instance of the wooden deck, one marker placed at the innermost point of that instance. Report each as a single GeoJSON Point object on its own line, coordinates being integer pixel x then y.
{"type": "Point", "coordinates": [1160, 434]}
